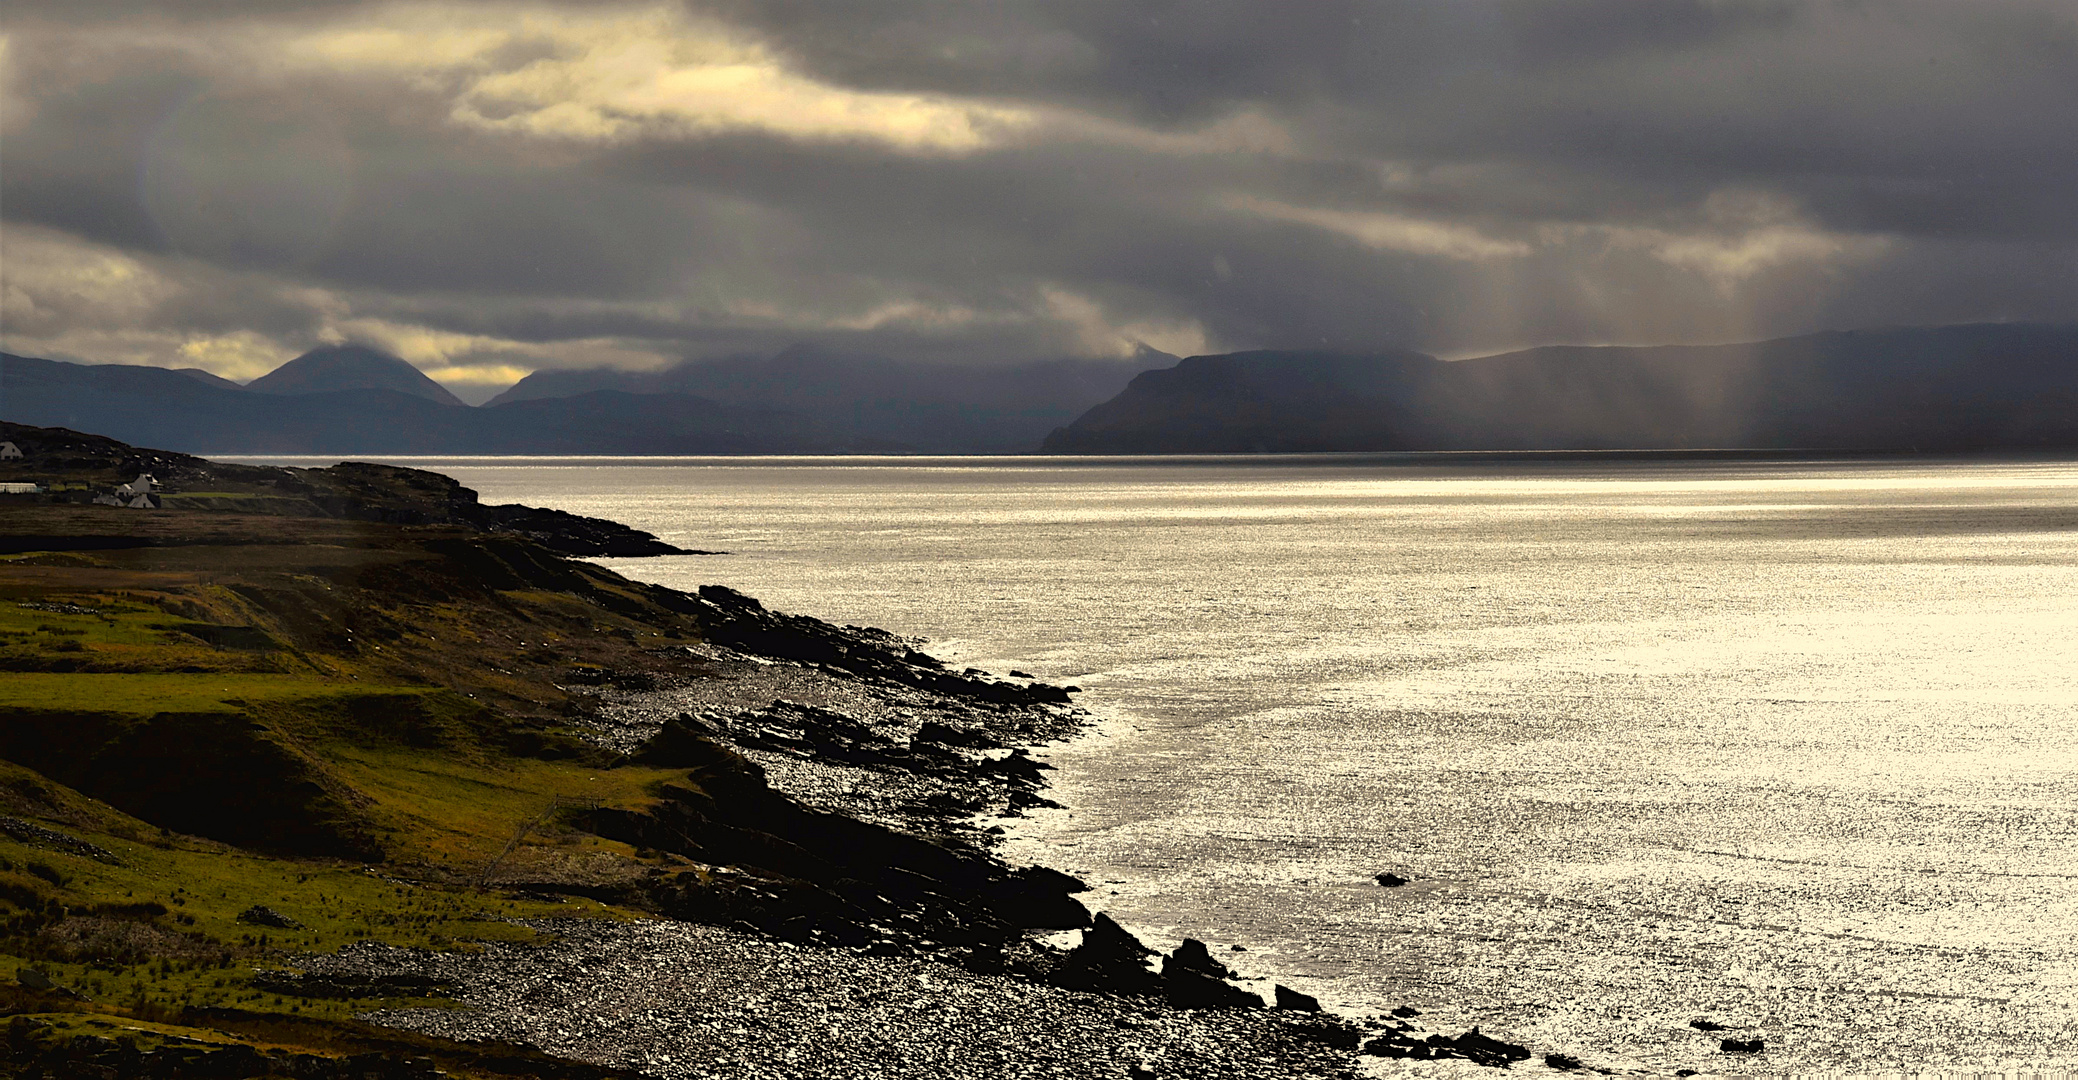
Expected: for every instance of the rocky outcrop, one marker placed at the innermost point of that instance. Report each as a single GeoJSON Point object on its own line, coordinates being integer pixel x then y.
{"type": "Point", "coordinates": [1288, 998]}
{"type": "Point", "coordinates": [805, 875]}
{"type": "Point", "coordinates": [731, 619]}
{"type": "Point", "coordinates": [1473, 1046]}
{"type": "Point", "coordinates": [1109, 960]}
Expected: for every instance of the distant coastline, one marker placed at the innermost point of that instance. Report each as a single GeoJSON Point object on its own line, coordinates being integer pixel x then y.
{"type": "Point", "coordinates": [1955, 389]}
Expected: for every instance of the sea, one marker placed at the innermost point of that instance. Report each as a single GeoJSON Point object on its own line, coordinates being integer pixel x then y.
{"type": "Point", "coordinates": [1788, 746]}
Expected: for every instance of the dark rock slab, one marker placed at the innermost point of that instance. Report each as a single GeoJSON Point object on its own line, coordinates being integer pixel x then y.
{"type": "Point", "coordinates": [1288, 998]}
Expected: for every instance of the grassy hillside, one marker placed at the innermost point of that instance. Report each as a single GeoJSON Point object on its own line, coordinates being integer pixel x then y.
{"type": "Point", "coordinates": [292, 710]}
{"type": "Point", "coordinates": [349, 723]}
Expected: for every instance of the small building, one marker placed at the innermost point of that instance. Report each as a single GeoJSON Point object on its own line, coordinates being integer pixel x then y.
{"type": "Point", "coordinates": [21, 489]}
{"type": "Point", "coordinates": [143, 485]}
{"type": "Point", "coordinates": [107, 500]}
{"type": "Point", "coordinates": [142, 502]}
{"type": "Point", "coordinates": [9, 451]}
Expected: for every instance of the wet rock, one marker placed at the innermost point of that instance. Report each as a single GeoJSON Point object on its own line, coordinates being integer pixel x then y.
{"type": "Point", "coordinates": [1390, 880]}
{"type": "Point", "coordinates": [1192, 979]}
{"type": "Point", "coordinates": [1038, 898]}
{"type": "Point", "coordinates": [1395, 1044]}
{"type": "Point", "coordinates": [1192, 956]}
{"type": "Point", "coordinates": [1706, 1025]}
{"type": "Point", "coordinates": [1743, 1046]}
{"type": "Point", "coordinates": [1563, 1062]}
{"type": "Point", "coordinates": [258, 915]}
{"type": "Point", "coordinates": [1288, 998]}
{"type": "Point", "coordinates": [732, 620]}
{"type": "Point", "coordinates": [1487, 1050]}
{"type": "Point", "coordinates": [1473, 1046]}
{"type": "Point", "coordinates": [1327, 1031]}
{"type": "Point", "coordinates": [943, 734]}
{"type": "Point", "coordinates": [1406, 1012]}
{"type": "Point", "coordinates": [1187, 989]}
{"type": "Point", "coordinates": [1019, 766]}
{"type": "Point", "coordinates": [1109, 960]}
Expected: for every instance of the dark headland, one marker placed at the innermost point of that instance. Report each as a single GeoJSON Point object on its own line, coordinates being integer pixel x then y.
{"type": "Point", "coordinates": [340, 772]}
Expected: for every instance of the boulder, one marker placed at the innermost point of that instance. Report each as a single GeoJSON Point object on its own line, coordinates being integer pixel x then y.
{"type": "Point", "coordinates": [1288, 998]}
{"type": "Point", "coordinates": [1194, 957]}
{"type": "Point", "coordinates": [1187, 989]}
{"type": "Point", "coordinates": [1743, 1046]}
{"type": "Point", "coordinates": [1109, 960]}
{"type": "Point", "coordinates": [1037, 898]}
{"type": "Point", "coordinates": [258, 915]}
{"type": "Point", "coordinates": [1487, 1050]}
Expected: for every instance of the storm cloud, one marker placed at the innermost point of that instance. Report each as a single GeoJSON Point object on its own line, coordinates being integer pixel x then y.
{"type": "Point", "coordinates": [492, 188]}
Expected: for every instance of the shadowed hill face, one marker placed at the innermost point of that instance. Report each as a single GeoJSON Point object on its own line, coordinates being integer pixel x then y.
{"type": "Point", "coordinates": [872, 402]}
{"type": "Point", "coordinates": [208, 378]}
{"type": "Point", "coordinates": [1955, 388]}
{"type": "Point", "coordinates": [158, 407]}
{"type": "Point", "coordinates": [350, 367]}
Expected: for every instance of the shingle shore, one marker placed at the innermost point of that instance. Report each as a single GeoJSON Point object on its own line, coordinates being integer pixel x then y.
{"type": "Point", "coordinates": [679, 1000]}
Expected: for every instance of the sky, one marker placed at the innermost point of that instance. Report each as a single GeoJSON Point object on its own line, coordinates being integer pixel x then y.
{"type": "Point", "coordinates": [488, 189]}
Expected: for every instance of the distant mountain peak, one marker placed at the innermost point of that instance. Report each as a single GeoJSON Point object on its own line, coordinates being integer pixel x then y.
{"type": "Point", "coordinates": [350, 367]}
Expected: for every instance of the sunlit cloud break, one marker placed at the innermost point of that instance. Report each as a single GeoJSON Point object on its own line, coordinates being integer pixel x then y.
{"type": "Point", "coordinates": [618, 74]}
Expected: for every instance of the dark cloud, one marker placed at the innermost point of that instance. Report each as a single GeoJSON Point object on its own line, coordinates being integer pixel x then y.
{"type": "Point", "coordinates": [513, 186]}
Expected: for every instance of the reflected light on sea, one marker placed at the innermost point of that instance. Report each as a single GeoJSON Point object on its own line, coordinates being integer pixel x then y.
{"type": "Point", "coordinates": [1788, 746]}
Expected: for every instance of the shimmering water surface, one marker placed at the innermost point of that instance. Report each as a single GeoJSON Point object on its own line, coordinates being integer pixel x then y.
{"type": "Point", "coordinates": [1792, 747]}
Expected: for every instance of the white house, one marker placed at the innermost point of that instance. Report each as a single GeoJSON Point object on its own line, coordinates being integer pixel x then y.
{"type": "Point", "coordinates": [143, 485]}
{"type": "Point", "coordinates": [9, 450]}
{"type": "Point", "coordinates": [21, 489]}
{"type": "Point", "coordinates": [141, 502]}
{"type": "Point", "coordinates": [107, 500]}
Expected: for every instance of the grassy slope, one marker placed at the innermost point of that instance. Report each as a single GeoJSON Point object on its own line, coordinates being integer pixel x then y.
{"type": "Point", "coordinates": [403, 681]}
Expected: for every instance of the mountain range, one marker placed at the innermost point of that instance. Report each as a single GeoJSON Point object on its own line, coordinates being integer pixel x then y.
{"type": "Point", "coordinates": [877, 401]}
{"type": "Point", "coordinates": [1953, 388]}
{"type": "Point", "coordinates": [356, 400]}
{"type": "Point", "coordinates": [350, 367]}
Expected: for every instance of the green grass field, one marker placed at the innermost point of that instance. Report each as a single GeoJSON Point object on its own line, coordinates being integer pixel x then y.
{"type": "Point", "coordinates": [152, 693]}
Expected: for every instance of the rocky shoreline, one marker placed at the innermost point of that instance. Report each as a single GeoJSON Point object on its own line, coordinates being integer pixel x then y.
{"type": "Point", "coordinates": [843, 906]}
{"type": "Point", "coordinates": [784, 836]}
